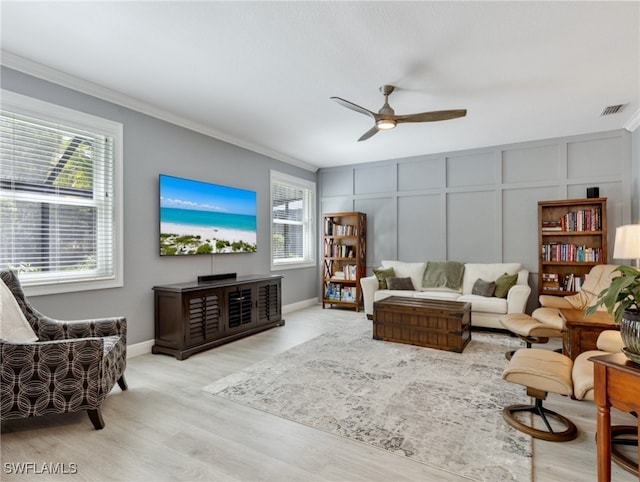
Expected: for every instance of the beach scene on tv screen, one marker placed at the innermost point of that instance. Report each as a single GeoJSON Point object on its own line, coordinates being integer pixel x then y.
{"type": "Point", "coordinates": [203, 218]}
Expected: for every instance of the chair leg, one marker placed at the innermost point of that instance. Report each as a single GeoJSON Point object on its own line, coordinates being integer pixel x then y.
{"type": "Point", "coordinates": [96, 418]}
{"type": "Point", "coordinates": [122, 383]}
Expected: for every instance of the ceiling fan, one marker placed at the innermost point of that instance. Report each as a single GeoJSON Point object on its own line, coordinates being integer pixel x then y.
{"type": "Point", "coordinates": [386, 117]}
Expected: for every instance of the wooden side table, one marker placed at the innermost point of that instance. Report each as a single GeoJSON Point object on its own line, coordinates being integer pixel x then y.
{"type": "Point", "coordinates": [616, 384]}
{"type": "Point", "coordinates": [580, 334]}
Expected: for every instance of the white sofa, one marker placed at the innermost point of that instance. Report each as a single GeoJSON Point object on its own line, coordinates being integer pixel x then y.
{"type": "Point", "coordinates": [485, 311]}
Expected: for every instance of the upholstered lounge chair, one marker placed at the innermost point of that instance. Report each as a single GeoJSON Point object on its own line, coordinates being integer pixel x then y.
{"type": "Point", "coordinates": [543, 371]}
{"type": "Point", "coordinates": [72, 365]}
{"type": "Point", "coordinates": [547, 321]}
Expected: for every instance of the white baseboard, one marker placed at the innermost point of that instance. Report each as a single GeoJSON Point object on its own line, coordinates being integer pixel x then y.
{"type": "Point", "coordinates": [299, 305]}
{"type": "Point", "coordinates": [138, 349]}
{"type": "Point", "coordinates": [144, 347]}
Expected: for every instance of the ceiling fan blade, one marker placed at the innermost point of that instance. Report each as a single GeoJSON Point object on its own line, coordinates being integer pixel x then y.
{"type": "Point", "coordinates": [371, 132]}
{"type": "Point", "coordinates": [352, 106]}
{"type": "Point", "coordinates": [436, 115]}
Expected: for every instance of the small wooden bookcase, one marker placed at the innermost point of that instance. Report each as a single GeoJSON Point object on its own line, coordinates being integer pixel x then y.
{"type": "Point", "coordinates": [344, 242]}
{"type": "Point", "coordinates": [572, 239]}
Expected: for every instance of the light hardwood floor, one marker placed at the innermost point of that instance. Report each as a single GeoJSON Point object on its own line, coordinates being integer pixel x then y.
{"type": "Point", "coordinates": [166, 428]}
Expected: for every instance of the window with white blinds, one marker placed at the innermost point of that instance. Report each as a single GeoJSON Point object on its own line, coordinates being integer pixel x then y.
{"type": "Point", "coordinates": [59, 219]}
{"type": "Point", "coordinates": [292, 225]}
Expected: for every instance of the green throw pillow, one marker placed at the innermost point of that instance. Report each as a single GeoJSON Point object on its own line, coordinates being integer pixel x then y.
{"type": "Point", "coordinates": [382, 274]}
{"type": "Point", "coordinates": [504, 284]}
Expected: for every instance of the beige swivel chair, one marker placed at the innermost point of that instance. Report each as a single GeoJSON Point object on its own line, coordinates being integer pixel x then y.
{"type": "Point", "coordinates": [547, 322]}
{"type": "Point", "coordinates": [543, 371]}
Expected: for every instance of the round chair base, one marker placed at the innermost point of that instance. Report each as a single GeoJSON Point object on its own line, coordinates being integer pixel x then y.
{"type": "Point", "coordinates": [570, 432]}
{"type": "Point", "coordinates": [624, 435]}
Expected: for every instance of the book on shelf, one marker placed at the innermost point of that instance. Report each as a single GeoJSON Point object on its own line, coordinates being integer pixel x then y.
{"type": "Point", "coordinates": [338, 251]}
{"type": "Point", "coordinates": [347, 272]}
{"type": "Point", "coordinates": [555, 225]}
{"type": "Point", "coordinates": [573, 282]}
{"type": "Point", "coordinates": [551, 281]}
{"type": "Point", "coordinates": [576, 221]}
{"type": "Point", "coordinates": [556, 282]}
{"type": "Point", "coordinates": [348, 294]}
{"type": "Point", "coordinates": [331, 228]}
{"type": "Point", "coordinates": [555, 251]}
{"type": "Point", "coordinates": [337, 292]}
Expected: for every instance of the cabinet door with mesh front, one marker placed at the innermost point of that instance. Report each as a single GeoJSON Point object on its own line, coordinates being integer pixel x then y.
{"type": "Point", "coordinates": [269, 303]}
{"type": "Point", "coordinates": [204, 321]}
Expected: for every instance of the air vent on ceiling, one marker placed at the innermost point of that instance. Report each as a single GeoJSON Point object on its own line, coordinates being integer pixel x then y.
{"type": "Point", "coordinates": [612, 109]}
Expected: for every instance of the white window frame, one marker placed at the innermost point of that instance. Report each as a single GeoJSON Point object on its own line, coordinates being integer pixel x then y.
{"type": "Point", "coordinates": [309, 228]}
{"type": "Point", "coordinates": [20, 104]}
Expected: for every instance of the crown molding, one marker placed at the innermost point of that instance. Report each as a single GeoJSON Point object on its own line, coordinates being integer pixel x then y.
{"type": "Point", "coordinates": [49, 74]}
{"type": "Point", "coordinates": [633, 123]}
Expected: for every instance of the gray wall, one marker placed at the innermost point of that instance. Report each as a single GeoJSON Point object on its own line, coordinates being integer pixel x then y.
{"type": "Point", "coordinates": [151, 147]}
{"type": "Point", "coordinates": [635, 188]}
{"type": "Point", "coordinates": [478, 205]}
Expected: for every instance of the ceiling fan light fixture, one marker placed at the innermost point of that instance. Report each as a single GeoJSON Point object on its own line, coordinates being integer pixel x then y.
{"type": "Point", "coordinates": [385, 124]}
{"type": "Point", "coordinates": [387, 119]}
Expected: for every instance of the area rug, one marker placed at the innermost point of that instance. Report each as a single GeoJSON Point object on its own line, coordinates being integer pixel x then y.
{"type": "Point", "coordinates": [439, 408]}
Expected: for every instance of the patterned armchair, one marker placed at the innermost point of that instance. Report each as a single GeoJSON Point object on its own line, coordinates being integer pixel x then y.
{"type": "Point", "coordinates": [71, 367]}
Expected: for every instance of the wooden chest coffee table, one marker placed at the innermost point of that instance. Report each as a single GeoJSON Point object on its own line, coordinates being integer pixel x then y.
{"type": "Point", "coordinates": [445, 325]}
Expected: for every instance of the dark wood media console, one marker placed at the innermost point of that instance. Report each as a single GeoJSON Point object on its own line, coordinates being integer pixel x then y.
{"type": "Point", "coordinates": [193, 317]}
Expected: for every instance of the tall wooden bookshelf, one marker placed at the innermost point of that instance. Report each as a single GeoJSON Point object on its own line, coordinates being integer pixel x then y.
{"type": "Point", "coordinates": [572, 238]}
{"type": "Point", "coordinates": [344, 243]}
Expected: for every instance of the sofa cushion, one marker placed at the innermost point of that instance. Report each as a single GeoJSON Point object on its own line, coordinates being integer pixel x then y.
{"type": "Point", "coordinates": [382, 274]}
{"type": "Point", "coordinates": [394, 283]}
{"type": "Point", "coordinates": [504, 284]}
{"type": "Point", "coordinates": [486, 271]}
{"type": "Point", "coordinates": [443, 274]}
{"type": "Point", "coordinates": [484, 304]}
{"type": "Point", "coordinates": [382, 294]}
{"type": "Point", "coordinates": [483, 288]}
{"type": "Point", "coordinates": [403, 270]}
{"type": "Point", "coordinates": [438, 295]}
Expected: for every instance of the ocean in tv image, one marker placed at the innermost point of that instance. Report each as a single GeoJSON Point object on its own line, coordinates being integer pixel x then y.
{"type": "Point", "coordinates": [198, 217]}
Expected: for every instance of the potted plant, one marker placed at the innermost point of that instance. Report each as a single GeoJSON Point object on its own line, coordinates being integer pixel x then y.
{"type": "Point", "coordinates": [622, 300]}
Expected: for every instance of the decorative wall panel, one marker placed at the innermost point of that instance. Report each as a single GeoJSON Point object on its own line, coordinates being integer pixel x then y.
{"type": "Point", "coordinates": [473, 233]}
{"type": "Point", "coordinates": [421, 224]}
{"type": "Point", "coordinates": [422, 174]}
{"type": "Point", "coordinates": [471, 169]}
{"type": "Point", "coordinates": [378, 179]}
{"type": "Point", "coordinates": [593, 158]}
{"type": "Point", "coordinates": [531, 164]}
{"type": "Point", "coordinates": [336, 183]}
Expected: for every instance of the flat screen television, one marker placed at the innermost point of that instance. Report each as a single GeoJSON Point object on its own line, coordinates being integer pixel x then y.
{"type": "Point", "coordinates": [198, 217]}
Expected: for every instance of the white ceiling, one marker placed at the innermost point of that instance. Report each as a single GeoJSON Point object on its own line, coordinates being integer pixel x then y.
{"type": "Point", "coordinates": [260, 74]}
